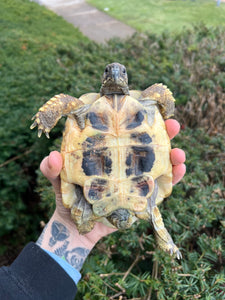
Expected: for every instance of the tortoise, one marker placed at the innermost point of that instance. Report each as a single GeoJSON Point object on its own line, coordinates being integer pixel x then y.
{"type": "Point", "coordinates": [116, 153]}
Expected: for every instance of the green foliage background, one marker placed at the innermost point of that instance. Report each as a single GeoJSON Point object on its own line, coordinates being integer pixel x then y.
{"type": "Point", "coordinates": [41, 55]}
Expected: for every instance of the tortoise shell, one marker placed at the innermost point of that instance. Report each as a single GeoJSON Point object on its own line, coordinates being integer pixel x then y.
{"type": "Point", "coordinates": [116, 153]}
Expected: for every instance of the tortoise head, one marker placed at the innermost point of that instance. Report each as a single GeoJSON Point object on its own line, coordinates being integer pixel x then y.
{"type": "Point", "coordinates": [114, 80]}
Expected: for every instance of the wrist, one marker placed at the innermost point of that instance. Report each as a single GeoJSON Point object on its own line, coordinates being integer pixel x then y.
{"type": "Point", "coordinates": [61, 237]}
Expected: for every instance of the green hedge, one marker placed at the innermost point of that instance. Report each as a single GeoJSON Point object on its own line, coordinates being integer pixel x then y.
{"type": "Point", "coordinates": [41, 55]}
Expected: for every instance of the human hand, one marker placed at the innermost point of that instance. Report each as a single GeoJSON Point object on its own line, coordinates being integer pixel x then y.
{"type": "Point", "coordinates": [60, 236]}
{"type": "Point", "coordinates": [51, 167]}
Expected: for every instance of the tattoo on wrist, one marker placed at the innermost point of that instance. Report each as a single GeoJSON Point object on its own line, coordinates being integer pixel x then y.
{"type": "Point", "coordinates": [61, 250]}
{"type": "Point", "coordinates": [76, 257]}
{"type": "Point", "coordinates": [41, 237]}
{"type": "Point", "coordinates": [60, 235]}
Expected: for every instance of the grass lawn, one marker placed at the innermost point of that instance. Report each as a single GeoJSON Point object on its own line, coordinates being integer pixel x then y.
{"type": "Point", "coordinates": [158, 16]}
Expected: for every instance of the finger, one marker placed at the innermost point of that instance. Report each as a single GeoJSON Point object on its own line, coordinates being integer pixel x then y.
{"type": "Point", "coordinates": [51, 167]}
{"type": "Point", "coordinates": [177, 156]}
{"type": "Point", "coordinates": [172, 127]}
{"type": "Point", "coordinates": [178, 173]}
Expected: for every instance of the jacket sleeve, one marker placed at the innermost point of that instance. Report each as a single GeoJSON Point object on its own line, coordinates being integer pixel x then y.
{"type": "Point", "coordinates": [35, 275]}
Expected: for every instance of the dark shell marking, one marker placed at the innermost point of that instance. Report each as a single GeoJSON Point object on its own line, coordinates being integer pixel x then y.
{"type": "Point", "coordinates": [98, 121]}
{"type": "Point", "coordinates": [96, 189]}
{"type": "Point", "coordinates": [143, 137]}
{"type": "Point", "coordinates": [139, 160]}
{"type": "Point", "coordinates": [97, 162]}
{"type": "Point", "coordinates": [141, 184]}
{"type": "Point", "coordinates": [135, 121]}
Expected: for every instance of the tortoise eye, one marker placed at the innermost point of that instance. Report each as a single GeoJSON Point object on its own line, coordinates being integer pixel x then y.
{"type": "Point", "coordinates": [124, 71]}
{"type": "Point", "coordinates": [106, 70]}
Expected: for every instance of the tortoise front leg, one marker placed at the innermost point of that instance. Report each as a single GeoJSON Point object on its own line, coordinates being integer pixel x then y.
{"type": "Point", "coordinates": [50, 113]}
{"type": "Point", "coordinates": [162, 95]}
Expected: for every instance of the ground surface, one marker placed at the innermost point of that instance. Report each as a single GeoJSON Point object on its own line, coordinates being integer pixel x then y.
{"type": "Point", "coordinates": [101, 20]}
{"type": "Point", "coordinates": [93, 23]}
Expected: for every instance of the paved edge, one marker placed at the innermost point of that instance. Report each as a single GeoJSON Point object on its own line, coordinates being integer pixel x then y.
{"type": "Point", "coordinates": [93, 23]}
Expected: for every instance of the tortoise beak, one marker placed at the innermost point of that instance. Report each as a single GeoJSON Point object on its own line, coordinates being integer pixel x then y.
{"type": "Point", "coordinates": [115, 73]}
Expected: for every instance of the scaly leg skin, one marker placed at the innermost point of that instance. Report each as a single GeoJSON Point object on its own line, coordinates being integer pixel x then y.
{"type": "Point", "coordinates": [163, 237]}
{"type": "Point", "coordinates": [122, 218]}
{"type": "Point", "coordinates": [50, 113]}
{"type": "Point", "coordinates": [68, 191]}
{"type": "Point", "coordinates": [164, 97]}
{"type": "Point", "coordinates": [81, 210]}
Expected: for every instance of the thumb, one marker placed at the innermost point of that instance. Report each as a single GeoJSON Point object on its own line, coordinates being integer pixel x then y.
{"type": "Point", "coordinates": [51, 167]}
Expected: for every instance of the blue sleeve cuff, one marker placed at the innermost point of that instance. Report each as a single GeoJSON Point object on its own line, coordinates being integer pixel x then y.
{"type": "Point", "coordinates": [73, 273]}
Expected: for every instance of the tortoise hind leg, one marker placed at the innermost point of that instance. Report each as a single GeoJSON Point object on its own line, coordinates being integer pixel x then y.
{"type": "Point", "coordinates": [81, 210]}
{"type": "Point", "coordinates": [163, 96]}
{"type": "Point", "coordinates": [152, 213]}
{"type": "Point", "coordinates": [163, 238]}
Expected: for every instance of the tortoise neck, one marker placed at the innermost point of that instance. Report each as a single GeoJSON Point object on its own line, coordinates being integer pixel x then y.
{"type": "Point", "coordinates": [114, 90]}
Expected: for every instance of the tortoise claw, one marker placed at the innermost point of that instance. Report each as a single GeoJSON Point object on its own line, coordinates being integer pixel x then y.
{"type": "Point", "coordinates": [39, 132]}
{"type": "Point", "coordinates": [179, 255]}
{"type": "Point", "coordinates": [36, 121]}
{"type": "Point", "coordinates": [47, 134]}
{"type": "Point", "coordinates": [33, 125]}
{"type": "Point", "coordinates": [41, 127]}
